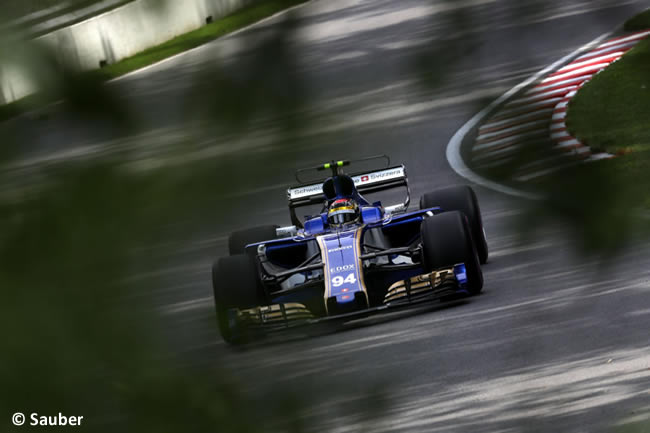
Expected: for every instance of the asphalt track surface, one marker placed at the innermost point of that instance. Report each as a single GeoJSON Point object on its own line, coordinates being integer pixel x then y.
{"type": "Point", "coordinates": [555, 342]}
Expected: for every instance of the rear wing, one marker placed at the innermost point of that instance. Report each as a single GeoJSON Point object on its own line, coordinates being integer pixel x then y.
{"type": "Point", "coordinates": [368, 182]}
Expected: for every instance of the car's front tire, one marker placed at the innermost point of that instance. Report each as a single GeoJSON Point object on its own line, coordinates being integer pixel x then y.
{"type": "Point", "coordinates": [461, 198]}
{"type": "Point", "coordinates": [235, 285]}
{"type": "Point", "coordinates": [446, 241]}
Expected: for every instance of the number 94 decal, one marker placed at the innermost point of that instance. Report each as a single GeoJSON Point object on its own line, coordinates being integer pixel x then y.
{"type": "Point", "coordinates": [339, 280]}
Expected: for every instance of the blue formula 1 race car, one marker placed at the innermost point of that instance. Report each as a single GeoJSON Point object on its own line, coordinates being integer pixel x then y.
{"type": "Point", "coordinates": [352, 258]}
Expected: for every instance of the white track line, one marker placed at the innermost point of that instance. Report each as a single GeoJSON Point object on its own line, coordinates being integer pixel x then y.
{"type": "Point", "coordinates": [454, 146]}
{"type": "Point", "coordinates": [622, 47]}
{"type": "Point", "coordinates": [577, 80]}
{"type": "Point", "coordinates": [633, 37]}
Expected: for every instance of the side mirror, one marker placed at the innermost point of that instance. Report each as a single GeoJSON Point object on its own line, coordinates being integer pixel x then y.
{"type": "Point", "coordinates": [286, 232]}
{"type": "Point", "coordinates": [398, 208]}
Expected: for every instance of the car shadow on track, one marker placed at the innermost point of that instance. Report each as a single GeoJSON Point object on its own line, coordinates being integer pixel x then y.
{"type": "Point", "coordinates": [323, 329]}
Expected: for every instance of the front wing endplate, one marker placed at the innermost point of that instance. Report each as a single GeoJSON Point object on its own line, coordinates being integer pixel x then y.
{"type": "Point", "coordinates": [442, 282]}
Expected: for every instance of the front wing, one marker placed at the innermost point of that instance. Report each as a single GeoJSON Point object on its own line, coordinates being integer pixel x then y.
{"type": "Point", "coordinates": [437, 285]}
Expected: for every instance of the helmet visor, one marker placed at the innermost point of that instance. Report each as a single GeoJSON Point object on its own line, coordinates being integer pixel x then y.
{"type": "Point", "coordinates": [342, 216]}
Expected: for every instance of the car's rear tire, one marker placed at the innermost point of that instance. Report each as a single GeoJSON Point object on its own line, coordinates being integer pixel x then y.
{"type": "Point", "coordinates": [238, 240]}
{"type": "Point", "coordinates": [461, 198]}
{"type": "Point", "coordinates": [235, 285]}
{"type": "Point", "coordinates": [446, 242]}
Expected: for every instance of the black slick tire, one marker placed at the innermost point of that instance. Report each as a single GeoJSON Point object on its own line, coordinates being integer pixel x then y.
{"type": "Point", "coordinates": [461, 198]}
{"type": "Point", "coordinates": [446, 242]}
{"type": "Point", "coordinates": [235, 285]}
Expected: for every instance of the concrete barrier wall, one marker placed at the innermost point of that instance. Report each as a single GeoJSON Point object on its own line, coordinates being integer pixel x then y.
{"type": "Point", "coordinates": [118, 34]}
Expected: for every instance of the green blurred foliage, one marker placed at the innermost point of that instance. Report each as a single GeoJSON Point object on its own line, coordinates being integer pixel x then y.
{"type": "Point", "coordinates": [611, 113]}
{"type": "Point", "coordinates": [634, 427]}
{"type": "Point", "coordinates": [80, 332]}
{"type": "Point", "coordinates": [264, 85]}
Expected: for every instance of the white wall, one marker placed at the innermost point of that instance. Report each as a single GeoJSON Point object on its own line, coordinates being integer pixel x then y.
{"type": "Point", "coordinates": [117, 34]}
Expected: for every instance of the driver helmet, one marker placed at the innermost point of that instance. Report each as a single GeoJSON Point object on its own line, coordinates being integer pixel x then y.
{"type": "Point", "coordinates": [343, 211]}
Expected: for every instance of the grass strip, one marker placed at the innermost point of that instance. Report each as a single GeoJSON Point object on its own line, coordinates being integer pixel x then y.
{"type": "Point", "coordinates": [611, 112]}
{"type": "Point", "coordinates": [223, 26]}
{"type": "Point", "coordinates": [210, 32]}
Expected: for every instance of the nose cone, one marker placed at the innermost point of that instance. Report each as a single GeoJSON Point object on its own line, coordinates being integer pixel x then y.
{"type": "Point", "coordinates": [347, 302]}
